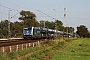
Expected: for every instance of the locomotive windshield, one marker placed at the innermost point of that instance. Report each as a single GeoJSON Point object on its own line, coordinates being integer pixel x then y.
{"type": "Point", "coordinates": [27, 28]}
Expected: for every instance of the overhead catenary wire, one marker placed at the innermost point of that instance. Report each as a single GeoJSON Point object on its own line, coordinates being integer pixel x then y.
{"type": "Point", "coordinates": [15, 4]}
{"type": "Point", "coordinates": [14, 15]}
{"type": "Point", "coordinates": [7, 14]}
{"type": "Point", "coordinates": [46, 14]}
{"type": "Point", "coordinates": [74, 18]}
{"type": "Point", "coordinates": [9, 8]}
{"type": "Point", "coordinates": [78, 18]}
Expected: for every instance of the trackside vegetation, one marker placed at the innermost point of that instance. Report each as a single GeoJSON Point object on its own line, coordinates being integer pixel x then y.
{"type": "Point", "coordinates": [35, 53]}
{"type": "Point", "coordinates": [48, 51]}
{"type": "Point", "coordinates": [77, 50]}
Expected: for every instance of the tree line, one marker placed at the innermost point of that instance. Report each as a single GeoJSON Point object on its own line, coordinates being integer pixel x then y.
{"type": "Point", "coordinates": [28, 18]}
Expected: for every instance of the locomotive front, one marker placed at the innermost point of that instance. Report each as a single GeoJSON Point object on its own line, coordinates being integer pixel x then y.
{"type": "Point", "coordinates": [27, 32]}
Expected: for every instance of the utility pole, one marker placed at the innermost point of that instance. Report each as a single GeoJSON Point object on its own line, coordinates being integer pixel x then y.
{"type": "Point", "coordinates": [65, 22]}
{"type": "Point", "coordinates": [55, 22]}
{"type": "Point", "coordinates": [65, 17]}
{"type": "Point", "coordinates": [9, 32]}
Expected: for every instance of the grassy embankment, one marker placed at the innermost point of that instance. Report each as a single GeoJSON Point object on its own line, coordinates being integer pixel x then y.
{"type": "Point", "coordinates": [36, 53]}
{"type": "Point", "coordinates": [51, 49]}
{"type": "Point", "coordinates": [76, 50]}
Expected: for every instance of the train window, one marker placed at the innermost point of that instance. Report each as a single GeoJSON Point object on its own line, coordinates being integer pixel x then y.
{"type": "Point", "coordinates": [29, 28]}
{"type": "Point", "coordinates": [25, 28]}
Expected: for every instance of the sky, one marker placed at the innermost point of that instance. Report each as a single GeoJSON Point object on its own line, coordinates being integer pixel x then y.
{"type": "Point", "coordinates": [77, 11]}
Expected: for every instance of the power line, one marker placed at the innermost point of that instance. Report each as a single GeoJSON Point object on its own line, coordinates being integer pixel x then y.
{"type": "Point", "coordinates": [45, 14]}
{"type": "Point", "coordinates": [7, 14]}
{"type": "Point", "coordinates": [14, 15]}
{"type": "Point", "coordinates": [9, 8]}
{"type": "Point", "coordinates": [16, 4]}
{"type": "Point", "coordinates": [78, 18]}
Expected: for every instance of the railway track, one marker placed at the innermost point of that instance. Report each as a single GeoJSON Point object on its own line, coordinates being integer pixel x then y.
{"type": "Point", "coordinates": [15, 42]}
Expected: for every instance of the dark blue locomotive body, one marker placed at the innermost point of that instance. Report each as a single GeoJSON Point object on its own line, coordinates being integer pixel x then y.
{"type": "Point", "coordinates": [31, 32]}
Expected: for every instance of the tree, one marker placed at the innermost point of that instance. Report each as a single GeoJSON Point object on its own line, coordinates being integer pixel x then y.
{"type": "Point", "coordinates": [32, 23]}
{"type": "Point", "coordinates": [50, 25]}
{"type": "Point", "coordinates": [4, 28]}
{"type": "Point", "coordinates": [82, 31]}
{"type": "Point", "coordinates": [29, 18]}
{"type": "Point", "coordinates": [59, 25]}
{"type": "Point", "coordinates": [16, 29]}
{"type": "Point", "coordinates": [42, 22]}
{"type": "Point", "coordinates": [69, 29]}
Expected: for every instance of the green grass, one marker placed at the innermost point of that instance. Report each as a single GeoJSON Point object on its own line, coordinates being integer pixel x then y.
{"type": "Point", "coordinates": [76, 50]}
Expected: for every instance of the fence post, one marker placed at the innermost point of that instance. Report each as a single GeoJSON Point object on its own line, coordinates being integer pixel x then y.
{"type": "Point", "coordinates": [22, 46]}
{"type": "Point", "coordinates": [33, 44]}
{"type": "Point", "coordinates": [17, 48]}
{"type": "Point", "coordinates": [26, 46]}
{"type": "Point", "coordinates": [10, 48]}
{"type": "Point", "coordinates": [39, 43]}
{"type": "Point", "coordinates": [36, 43]}
{"type": "Point", "coordinates": [3, 49]}
{"type": "Point", "coordinates": [29, 44]}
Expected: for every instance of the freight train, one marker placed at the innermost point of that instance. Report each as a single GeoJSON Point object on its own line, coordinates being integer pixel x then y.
{"type": "Point", "coordinates": [44, 33]}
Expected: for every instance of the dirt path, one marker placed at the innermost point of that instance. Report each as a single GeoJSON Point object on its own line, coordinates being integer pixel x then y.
{"type": "Point", "coordinates": [48, 56]}
{"type": "Point", "coordinates": [22, 57]}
